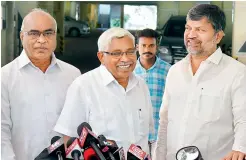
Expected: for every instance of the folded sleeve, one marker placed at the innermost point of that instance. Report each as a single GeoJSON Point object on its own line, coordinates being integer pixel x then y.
{"type": "Point", "coordinates": [75, 110]}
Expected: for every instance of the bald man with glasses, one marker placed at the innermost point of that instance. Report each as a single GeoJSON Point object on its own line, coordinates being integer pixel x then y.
{"type": "Point", "coordinates": [33, 90]}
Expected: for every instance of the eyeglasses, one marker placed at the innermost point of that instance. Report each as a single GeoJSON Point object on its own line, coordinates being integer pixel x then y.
{"type": "Point", "coordinates": [118, 54]}
{"type": "Point", "coordinates": [36, 34]}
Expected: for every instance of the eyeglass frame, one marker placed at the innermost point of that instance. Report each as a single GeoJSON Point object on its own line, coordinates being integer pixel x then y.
{"type": "Point", "coordinates": [43, 33]}
{"type": "Point", "coordinates": [121, 53]}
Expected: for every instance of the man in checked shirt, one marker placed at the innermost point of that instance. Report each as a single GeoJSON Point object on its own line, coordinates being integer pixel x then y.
{"type": "Point", "coordinates": [154, 71]}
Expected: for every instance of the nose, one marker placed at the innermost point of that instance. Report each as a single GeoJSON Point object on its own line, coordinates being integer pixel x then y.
{"type": "Point", "coordinates": [41, 39]}
{"type": "Point", "coordinates": [146, 49]}
{"type": "Point", "coordinates": [192, 34]}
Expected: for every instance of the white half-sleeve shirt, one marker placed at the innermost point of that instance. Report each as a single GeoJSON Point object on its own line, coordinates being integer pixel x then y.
{"type": "Point", "coordinates": [121, 115]}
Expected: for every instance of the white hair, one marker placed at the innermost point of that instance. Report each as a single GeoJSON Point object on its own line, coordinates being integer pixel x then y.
{"type": "Point", "coordinates": [106, 37]}
{"type": "Point", "coordinates": [38, 10]}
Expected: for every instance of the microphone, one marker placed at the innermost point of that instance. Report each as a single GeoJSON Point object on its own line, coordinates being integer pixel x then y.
{"type": "Point", "coordinates": [111, 144]}
{"type": "Point", "coordinates": [44, 155]}
{"type": "Point", "coordinates": [90, 154]}
{"type": "Point", "coordinates": [57, 147]}
{"type": "Point", "coordinates": [119, 154]}
{"type": "Point", "coordinates": [88, 139]}
{"type": "Point", "coordinates": [136, 153]}
{"type": "Point", "coordinates": [106, 146]}
{"type": "Point", "coordinates": [73, 149]}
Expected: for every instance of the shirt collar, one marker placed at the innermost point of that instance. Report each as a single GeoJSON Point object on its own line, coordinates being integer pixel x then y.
{"type": "Point", "coordinates": [107, 78]}
{"type": "Point", "coordinates": [23, 60]}
{"type": "Point", "coordinates": [157, 60]}
{"type": "Point", "coordinates": [214, 58]}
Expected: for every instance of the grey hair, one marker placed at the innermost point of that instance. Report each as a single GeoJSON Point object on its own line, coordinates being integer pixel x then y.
{"type": "Point", "coordinates": [106, 37]}
{"type": "Point", "coordinates": [38, 10]}
{"type": "Point", "coordinates": [212, 12]}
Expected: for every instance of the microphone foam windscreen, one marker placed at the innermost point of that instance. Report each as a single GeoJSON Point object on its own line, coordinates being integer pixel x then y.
{"type": "Point", "coordinates": [54, 139]}
{"type": "Point", "coordinates": [81, 126]}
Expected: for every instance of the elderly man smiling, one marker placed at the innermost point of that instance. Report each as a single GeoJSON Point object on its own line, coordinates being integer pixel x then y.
{"type": "Point", "coordinates": [114, 101]}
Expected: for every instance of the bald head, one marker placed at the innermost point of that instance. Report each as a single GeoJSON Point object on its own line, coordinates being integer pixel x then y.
{"type": "Point", "coordinates": [35, 15]}
{"type": "Point", "coordinates": [38, 35]}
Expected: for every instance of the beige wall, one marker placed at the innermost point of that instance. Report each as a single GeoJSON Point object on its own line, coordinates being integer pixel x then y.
{"type": "Point", "coordinates": [164, 11]}
{"type": "Point", "coordinates": [25, 6]}
{"type": "Point", "coordinates": [239, 30]}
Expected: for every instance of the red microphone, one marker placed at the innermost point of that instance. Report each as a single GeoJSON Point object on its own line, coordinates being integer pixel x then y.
{"type": "Point", "coordinates": [136, 153]}
{"type": "Point", "coordinates": [88, 139]}
{"type": "Point", "coordinates": [90, 154]}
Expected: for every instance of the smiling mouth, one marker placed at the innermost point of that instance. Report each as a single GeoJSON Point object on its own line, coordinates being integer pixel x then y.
{"type": "Point", "coordinates": [124, 66]}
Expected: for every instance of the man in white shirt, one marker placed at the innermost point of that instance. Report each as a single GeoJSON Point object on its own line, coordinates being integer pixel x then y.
{"type": "Point", "coordinates": [205, 94]}
{"type": "Point", "coordinates": [34, 87]}
{"type": "Point", "coordinates": [114, 101]}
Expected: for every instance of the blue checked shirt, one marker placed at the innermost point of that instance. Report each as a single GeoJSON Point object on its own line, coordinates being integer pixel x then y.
{"type": "Point", "coordinates": [155, 78]}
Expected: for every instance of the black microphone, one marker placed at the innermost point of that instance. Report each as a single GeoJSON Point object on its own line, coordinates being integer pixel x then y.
{"type": "Point", "coordinates": [54, 151]}
{"type": "Point", "coordinates": [136, 153]}
{"type": "Point", "coordinates": [57, 147]}
{"type": "Point", "coordinates": [44, 155]}
{"type": "Point", "coordinates": [88, 139]}
{"type": "Point", "coordinates": [106, 147]}
{"type": "Point", "coordinates": [119, 154]}
{"type": "Point", "coordinates": [73, 150]}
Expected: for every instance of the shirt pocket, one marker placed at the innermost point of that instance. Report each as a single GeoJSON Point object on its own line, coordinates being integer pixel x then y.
{"type": "Point", "coordinates": [208, 105]}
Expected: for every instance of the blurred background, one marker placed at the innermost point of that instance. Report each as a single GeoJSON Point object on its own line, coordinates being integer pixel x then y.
{"type": "Point", "coordinates": [80, 23]}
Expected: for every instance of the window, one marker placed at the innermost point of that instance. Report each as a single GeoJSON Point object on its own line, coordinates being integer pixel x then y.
{"type": "Point", "coordinates": [140, 17]}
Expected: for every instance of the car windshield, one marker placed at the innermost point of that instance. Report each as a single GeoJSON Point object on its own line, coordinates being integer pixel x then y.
{"type": "Point", "coordinates": [175, 29]}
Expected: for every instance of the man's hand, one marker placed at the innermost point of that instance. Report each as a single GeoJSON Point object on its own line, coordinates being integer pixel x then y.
{"type": "Point", "coordinates": [235, 155]}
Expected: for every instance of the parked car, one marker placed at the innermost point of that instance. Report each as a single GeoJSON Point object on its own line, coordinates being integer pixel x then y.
{"type": "Point", "coordinates": [75, 28]}
{"type": "Point", "coordinates": [171, 45]}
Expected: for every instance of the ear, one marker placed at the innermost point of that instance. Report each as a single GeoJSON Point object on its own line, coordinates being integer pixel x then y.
{"type": "Point", "coordinates": [137, 47]}
{"type": "Point", "coordinates": [100, 56]}
{"type": "Point", "coordinates": [219, 36]}
{"type": "Point", "coordinates": [21, 36]}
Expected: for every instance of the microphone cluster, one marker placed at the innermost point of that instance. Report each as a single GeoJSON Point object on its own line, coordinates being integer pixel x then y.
{"type": "Point", "coordinates": [89, 146]}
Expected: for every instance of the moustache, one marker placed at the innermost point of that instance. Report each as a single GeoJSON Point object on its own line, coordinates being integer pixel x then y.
{"type": "Point", "coordinates": [148, 53]}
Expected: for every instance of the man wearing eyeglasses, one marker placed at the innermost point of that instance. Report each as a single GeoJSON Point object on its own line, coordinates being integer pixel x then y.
{"type": "Point", "coordinates": [114, 101]}
{"type": "Point", "coordinates": [34, 86]}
